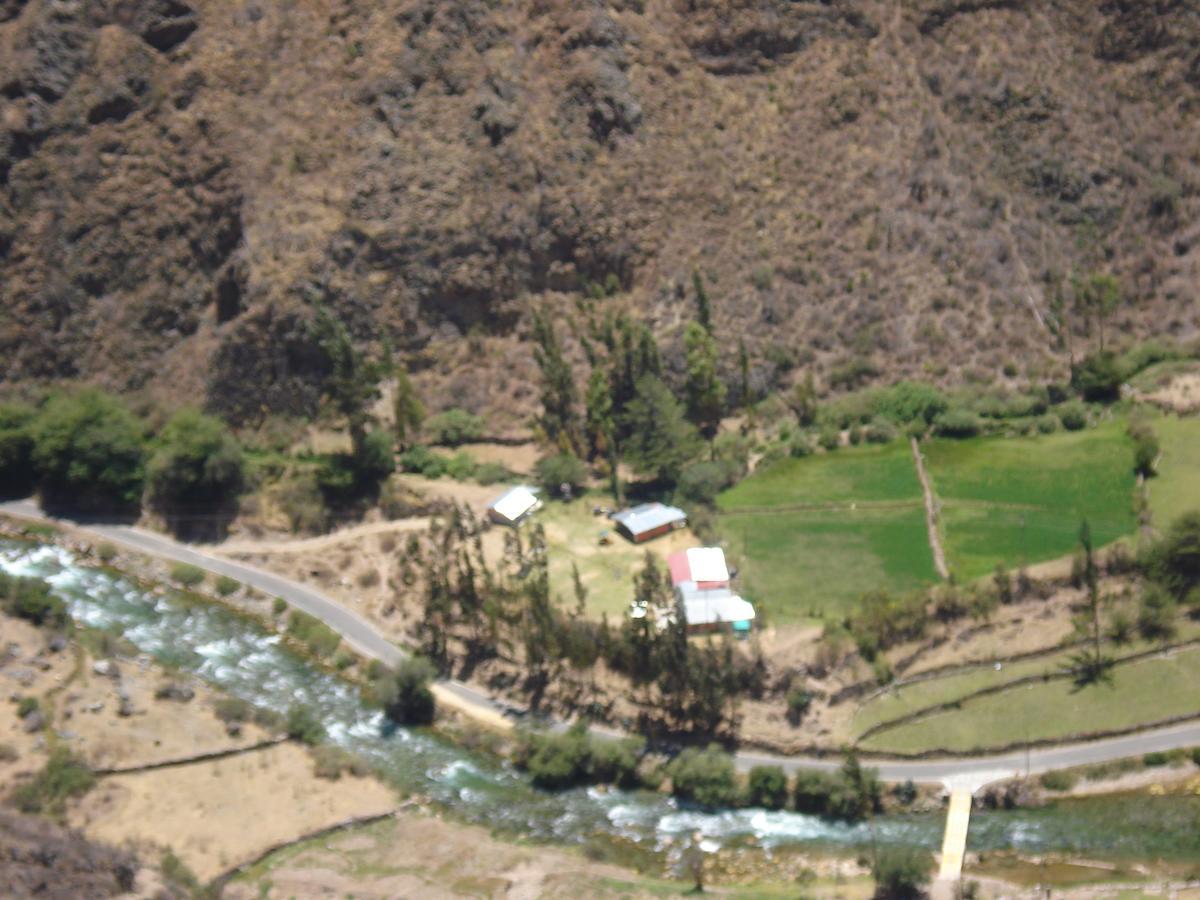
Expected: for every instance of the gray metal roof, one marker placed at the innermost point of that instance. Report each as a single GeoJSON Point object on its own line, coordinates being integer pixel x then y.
{"type": "Point", "coordinates": [648, 517]}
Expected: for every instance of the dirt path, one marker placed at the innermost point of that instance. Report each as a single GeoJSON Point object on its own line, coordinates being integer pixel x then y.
{"type": "Point", "coordinates": [935, 542]}
{"type": "Point", "coordinates": [322, 542]}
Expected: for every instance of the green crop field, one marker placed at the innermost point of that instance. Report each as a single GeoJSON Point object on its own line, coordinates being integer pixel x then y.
{"type": "Point", "coordinates": [816, 564]}
{"type": "Point", "coordinates": [1055, 709]}
{"type": "Point", "coordinates": [1176, 488]}
{"type": "Point", "coordinates": [1017, 500]}
{"type": "Point", "coordinates": [856, 474]}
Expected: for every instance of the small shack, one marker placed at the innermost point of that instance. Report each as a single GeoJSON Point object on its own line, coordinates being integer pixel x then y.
{"type": "Point", "coordinates": [714, 610]}
{"type": "Point", "coordinates": [648, 521]}
{"type": "Point", "coordinates": [514, 505]}
{"type": "Point", "coordinates": [703, 566]}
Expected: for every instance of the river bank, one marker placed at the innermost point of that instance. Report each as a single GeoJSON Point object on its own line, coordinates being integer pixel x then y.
{"type": "Point", "coordinates": [229, 651]}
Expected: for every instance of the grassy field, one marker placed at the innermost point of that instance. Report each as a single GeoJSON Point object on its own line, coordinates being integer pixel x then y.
{"type": "Point", "coordinates": [816, 564]}
{"type": "Point", "coordinates": [1176, 488]}
{"type": "Point", "coordinates": [855, 474]}
{"type": "Point", "coordinates": [572, 537]}
{"type": "Point", "coordinates": [1015, 500]}
{"type": "Point", "coordinates": [1056, 709]}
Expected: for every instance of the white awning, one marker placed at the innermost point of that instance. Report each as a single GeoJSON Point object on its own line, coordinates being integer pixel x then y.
{"type": "Point", "coordinates": [516, 503]}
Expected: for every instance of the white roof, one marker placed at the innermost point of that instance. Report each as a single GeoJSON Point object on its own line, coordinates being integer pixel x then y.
{"type": "Point", "coordinates": [649, 516]}
{"type": "Point", "coordinates": [516, 502]}
{"type": "Point", "coordinates": [707, 564]}
{"type": "Point", "coordinates": [710, 607]}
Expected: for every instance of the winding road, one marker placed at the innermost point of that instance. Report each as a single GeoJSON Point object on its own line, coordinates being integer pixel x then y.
{"type": "Point", "coordinates": [964, 772]}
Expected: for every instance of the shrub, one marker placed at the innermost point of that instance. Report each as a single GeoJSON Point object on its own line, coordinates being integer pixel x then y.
{"type": "Point", "coordinates": [198, 468]}
{"type": "Point", "coordinates": [453, 427]}
{"type": "Point", "coordinates": [1058, 781]}
{"type": "Point", "coordinates": [1196, 756]}
{"type": "Point", "coordinates": [957, 423]}
{"type": "Point", "coordinates": [106, 552]}
{"type": "Point", "coordinates": [900, 873]}
{"type": "Point", "coordinates": [343, 660]}
{"type": "Point", "coordinates": [374, 460]}
{"type": "Point", "coordinates": [800, 445]}
{"type": "Point", "coordinates": [798, 702]}
{"type": "Point", "coordinates": [705, 777]}
{"type": "Point", "coordinates": [64, 776]}
{"type": "Point", "coordinates": [405, 696]}
{"type": "Point", "coordinates": [812, 792]}
{"type": "Point", "coordinates": [27, 706]}
{"type": "Point", "coordinates": [319, 638]}
{"type": "Point", "coordinates": [1155, 759]}
{"type": "Point", "coordinates": [226, 585]}
{"type": "Point", "coordinates": [879, 431]}
{"type": "Point", "coordinates": [89, 454]}
{"type": "Point", "coordinates": [1175, 560]}
{"type": "Point", "coordinates": [330, 762]}
{"type": "Point", "coordinates": [302, 502]}
{"type": "Point", "coordinates": [30, 599]}
{"type": "Point", "coordinates": [423, 461]}
{"type": "Point", "coordinates": [1156, 614]}
{"type": "Point", "coordinates": [905, 792]}
{"type": "Point", "coordinates": [1145, 448]}
{"type": "Point", "coordinates": [1073, 415]}
{"type": "Point", "coordinates": [279, 606]}
{"type": "Point", "coordinates": [17, 474]}
{"type": "Point", "coordinates": [830, 439]}
{"type": "Point", "coordinates": [911, 401]}
{"type": "Point", "coordinates": [303, 725]}
{"type": "Point", "coordinates": [187, 575]}
{"type": "Point", "coordinates": [616, 762]}
{"type": "Point", "coordinates": [491, 473]}
{"type": "Point", "coordinates": [1047, 424]}
{"type": "Point", "coordinates": [562, 468]}
{"type": "Point", "coordinates": [1098, 378]}
{"type": "Point", "coordinates": [232, 709]}
{"type": "Point", "coordinates": [767, 787]}
{"type": "Point", "coordinates": [556, 761]}
{"type": "Point", "coordinates": [701, 482]}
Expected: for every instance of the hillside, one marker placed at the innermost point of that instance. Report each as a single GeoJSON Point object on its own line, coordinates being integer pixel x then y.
{"type": "Point", "coordinates": [866, 186]}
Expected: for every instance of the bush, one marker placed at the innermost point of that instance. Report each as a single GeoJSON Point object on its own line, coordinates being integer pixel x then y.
{"type": "Point", "coordinates": [8, 753]}
{"type": "Point", "coordinates": [319, 638]}
{"type": "Point", "coordinates": [187, 575]}
{"type": "Point", "coordinates": [17, 474]}
{"type": "Point", "coordinates": [1196, 756]}
{"type": "Point", "coordinates": [616, 762]}
{"type": "Point", "coordinates": [330, 762]}
{"type": "Point", "coordinates": [701, 482]}
{"type": "Point", "coordinates": [562, 760]}
{"type": "Point", "coordinates": [563, 468]}
{"type": "Point", "coordinates": [767, 787]}
{"type": "Point", "coordinates": [423, 461]}
{"type": "Point", "coordinates": [226, 585]}
{"type": "Point", "coordinates": [705, 777]}
{"type": "Point", "coordinates": [1175, 560]}
{"type": "Point", "coordinates": [1073, 415]}
{"type": "Point", "coordinates": [1156, 614]}
{"type": "Point", "coordinates": [798, 702]}
{"type": "Point", "coordinates": [905, 792]}
{"type": "Point", "coordinates": [232, 709]}
{"type": "Point", "coordinates": [957, 423]}
{"type": "Point", "coordinates": [89, 454]}
{"type": "Point", "coordinates": [911, 401]}
{"type": "Point", "coordinates": [453, 427]}
{"type": "Point", "coordinates": [900, 873]}
{"type": "Point", "coordinates": [405, 695]}
{"type": "Point", "coordinates": [374, 461]}
{"type": "Point", "coordinates": [460, 466]}
{"type": "Point", "coordinates": [303, 725]}
{"type": "Point", "coordinates": [1098, 378]}
{"type": "Point", "coordinates": [1145, 448]}
{"type": "Point", "coordinates": [830, 439]}
{"type": "Point", "coordinates": [1047, 424]}
{"type": "Point", "coordinates": [1058, 781]}
{"type": "Point", "coordinates": [491, 473]}
{"type": "Point", "coordinates": [1152, 760]}
{"type": "Point", "coordinates": [279, 606]}
{"type": "Point", "coordinates": [812, 792]}
{"type": "Point", "coordinates": [106, 552]}
{"type": "Point", "coordinates": [30, 599]}
{"type": "Point", "coordinates": [302, 502]}
{"type": "Point", "coordinates": [26, 706]}
{"type": "Point", "coordinates": [64, 776]}
{"type": "Point", "coordinates": [198, 469]}
{"type": "Point", "coordinates": [879, 431]}
{"type": "Point", "coordinates": [800, 445]}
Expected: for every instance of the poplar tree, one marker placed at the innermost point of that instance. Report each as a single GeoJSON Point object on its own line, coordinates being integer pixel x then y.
{"type": "Point", "coordinates": [408, 409]}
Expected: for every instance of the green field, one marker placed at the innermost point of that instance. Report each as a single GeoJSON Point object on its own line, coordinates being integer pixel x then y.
{"type": "Point", "coordinates": [816, 564]}
{"type": "Point", "coordinates": [1055, 709]}
{"type": "Point", "coordinates": [1176, 488]}
{"type": "Point", "coordinates": [856, 474]}
{"type": "Point", "coordinates": [1018, 500]}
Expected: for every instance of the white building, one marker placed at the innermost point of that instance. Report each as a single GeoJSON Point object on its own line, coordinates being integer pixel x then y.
{"type": "Point", "coordinates": [514, 505]}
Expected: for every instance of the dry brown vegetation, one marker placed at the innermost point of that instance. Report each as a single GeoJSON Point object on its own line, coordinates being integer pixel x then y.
{"type": "Point", "coordinates": [896, 183]}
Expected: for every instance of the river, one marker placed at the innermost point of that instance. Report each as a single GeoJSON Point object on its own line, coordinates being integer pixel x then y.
{"type": "Point", "coordinates": [236, 655]}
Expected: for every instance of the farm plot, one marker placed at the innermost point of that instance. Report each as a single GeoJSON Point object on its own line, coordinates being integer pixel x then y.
{"type": "Point", "coordinates": [1176, 488]}
{"type": "Point", "coordinates": [1019, 500]}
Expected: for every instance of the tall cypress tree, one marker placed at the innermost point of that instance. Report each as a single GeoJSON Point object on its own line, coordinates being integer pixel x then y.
{"type": "Point", "coordinates": [705, 392]}
{"type": "Point", "coordinates": [560, 415]}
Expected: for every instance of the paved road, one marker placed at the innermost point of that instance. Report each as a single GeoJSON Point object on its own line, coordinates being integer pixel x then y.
{"type": "Point", "coordinates": [970, 772]}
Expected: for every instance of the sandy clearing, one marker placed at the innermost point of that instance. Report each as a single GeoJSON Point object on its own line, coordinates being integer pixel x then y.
{"type": "Point", "coordinates": [321, 542]}
{"type": "Point", "coordinates": [217, 814]}
{"type": "Point", "coordinates": [1182, 394]}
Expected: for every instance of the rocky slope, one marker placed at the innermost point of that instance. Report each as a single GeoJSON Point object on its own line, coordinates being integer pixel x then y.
{"type": "Point", "coordinates": [901, 182]}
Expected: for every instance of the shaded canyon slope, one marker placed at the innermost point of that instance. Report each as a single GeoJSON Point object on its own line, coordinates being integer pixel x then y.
{"type": "Point", "coordinates": [899, 182]}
